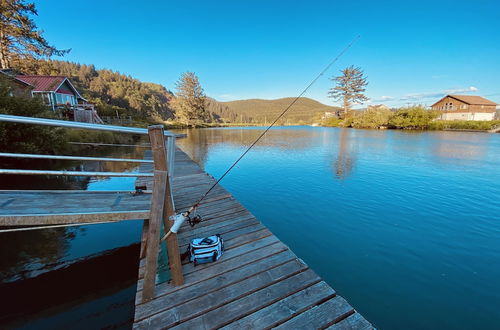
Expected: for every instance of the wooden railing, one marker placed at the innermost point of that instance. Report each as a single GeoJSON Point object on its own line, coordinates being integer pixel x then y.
{"type": "Point", "coordinates": [161, 206]}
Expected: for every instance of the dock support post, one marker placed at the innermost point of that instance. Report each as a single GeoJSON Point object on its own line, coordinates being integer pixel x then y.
{"type": "Point", "coordinates": [153, 233]}
{"type": "Point", "coordinates": [157, 139]}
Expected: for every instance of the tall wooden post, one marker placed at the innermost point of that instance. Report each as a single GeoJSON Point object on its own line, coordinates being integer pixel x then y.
{"type": "Point", "coordinates": [157, 139]}
{"type": "Point", "coordinates": [153, 233]}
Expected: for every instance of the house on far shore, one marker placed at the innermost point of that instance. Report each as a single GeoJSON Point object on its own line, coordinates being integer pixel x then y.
{"type": "Point", "coordinates": [378, 107]}
{"type": "Point", "coordinates": [57, 92]}
{"type": "Point", "coordinates": [329, 114]}
{"type": "Point", "coordinates": [465, 107]}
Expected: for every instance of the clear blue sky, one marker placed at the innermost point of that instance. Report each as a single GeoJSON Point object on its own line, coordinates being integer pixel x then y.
{"type": "Point", "coordinates": [411, 51]}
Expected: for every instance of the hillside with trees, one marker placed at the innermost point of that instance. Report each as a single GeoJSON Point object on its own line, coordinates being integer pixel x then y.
{"type": "Point", "coordinates": [304, 111]}
{"type": "Point", "coordinates": [113, 93]}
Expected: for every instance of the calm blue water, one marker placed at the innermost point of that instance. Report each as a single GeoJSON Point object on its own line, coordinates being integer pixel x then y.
{"type": "Point", "coordinates": [404, 225]}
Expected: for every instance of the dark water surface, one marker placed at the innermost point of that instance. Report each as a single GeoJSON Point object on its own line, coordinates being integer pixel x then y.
{"type": "Point", "coordinates": [404, 225]}
{"type": "Point", "coordinates": [81, 277]}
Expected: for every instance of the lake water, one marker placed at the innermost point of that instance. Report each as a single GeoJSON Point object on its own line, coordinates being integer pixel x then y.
{"type": "Point", "coordinates": [81, 277]}
{"type": "Point", "coordinates": [404, 225]}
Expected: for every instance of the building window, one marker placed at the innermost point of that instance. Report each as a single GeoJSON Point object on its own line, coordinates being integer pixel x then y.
{"type": "Point", "coordinates": [65, 98]}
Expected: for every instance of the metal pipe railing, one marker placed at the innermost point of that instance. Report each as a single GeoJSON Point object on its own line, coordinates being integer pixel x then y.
{"type": "Point", "coordinates": [74, 124]}
{"type": "Point", "coordinates": [34, 156]}
{"type": "Point", "coordinates": [76, 173]}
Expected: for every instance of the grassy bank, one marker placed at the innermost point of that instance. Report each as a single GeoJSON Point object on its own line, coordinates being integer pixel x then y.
{"type": "Point", "coordinates": [464, 124]}
{"type": "Point", "coordinates": [416, 118]}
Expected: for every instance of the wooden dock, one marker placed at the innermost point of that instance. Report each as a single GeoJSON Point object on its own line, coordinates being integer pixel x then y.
{"type": "Point", "coordinates": [258, 282]}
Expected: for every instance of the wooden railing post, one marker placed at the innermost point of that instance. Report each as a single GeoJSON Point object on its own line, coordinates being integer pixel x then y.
{"type": "Point", "coordinates": [153, 234]}
{"type": "Point", "coordinates": [157, 139]}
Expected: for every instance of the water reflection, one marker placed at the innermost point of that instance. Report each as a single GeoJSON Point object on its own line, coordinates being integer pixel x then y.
{"type": "Point", "coordinates": [22, 253]}
{"type": "Point", "coordinates": [28, 253]}
{"type": "Point", "coordinates": [344, 162]}
{"type": "Point", "coordinates": [454, 146]}
{"type": "Point", "coordinates": [198, 141]}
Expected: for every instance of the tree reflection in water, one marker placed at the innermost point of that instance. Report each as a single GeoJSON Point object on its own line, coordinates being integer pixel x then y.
{"type": "Point", "coordinates": [342, 166]}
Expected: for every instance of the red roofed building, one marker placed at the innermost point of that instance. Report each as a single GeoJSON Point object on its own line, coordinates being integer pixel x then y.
{"type": "Point", "coordinates": [59, 94]}
{"type": "Point", "coordinates": [55, 91]}
{"type": "Point", "coordinates": [465, 107]}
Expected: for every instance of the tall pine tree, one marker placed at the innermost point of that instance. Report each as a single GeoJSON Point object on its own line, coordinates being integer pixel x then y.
{"type": "Point", "coordinates": [349, 88]}
{"type": "Point", "coordinates": [19, 35]}
{"type": "Point", "coordinates": [190, 102]}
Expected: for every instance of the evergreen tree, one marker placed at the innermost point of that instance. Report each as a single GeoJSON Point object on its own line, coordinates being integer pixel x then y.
{"type": "Point", "coordinates": [190, 103]}
{"type": "Point", "coordinates": [349, 88]}
{"type": "Point", "coordinates": [19, 35]}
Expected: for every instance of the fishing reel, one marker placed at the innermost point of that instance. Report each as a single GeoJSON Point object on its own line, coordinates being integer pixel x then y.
{"type": "Point", "coordinates": [179, 219]}
{"type": "Point", "coordinates": [196, 219]}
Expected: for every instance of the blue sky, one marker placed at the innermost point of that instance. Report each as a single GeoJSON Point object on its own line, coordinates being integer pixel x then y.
{"type": "Point", "coordinates": [411, 51]}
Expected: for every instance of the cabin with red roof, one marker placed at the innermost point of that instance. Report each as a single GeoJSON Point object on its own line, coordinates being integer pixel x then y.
{"type": "Point", "coordinates": [55, 91]}
{"type": "Point", "coordinates": [465, 107]}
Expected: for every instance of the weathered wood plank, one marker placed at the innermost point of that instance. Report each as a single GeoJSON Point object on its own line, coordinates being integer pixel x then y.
{"type": "Point", "coordinates": [218, 269]}
{"type": "Point", "coordinates": [355, 321]}
{"type": "Point", "coordinates": [231, 277]}
{"type": "Point", "coordinates": [249, 303]}
{"type": "Point", "coordinates": [201, 306]}
{"type": "Point", "coordinates": [159, 152]}
{"type": "Point", "coordinates": [153, 236]}
{"type": "Point", "coordinates": [285, 309]}
{"type": "Point", "coordinates": [69, 218]}
{"type": "Point", "coordinates": [327, 313]}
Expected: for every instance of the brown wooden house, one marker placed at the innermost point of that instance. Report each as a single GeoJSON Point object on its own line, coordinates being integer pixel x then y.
{"type": "Point", "coordinates": [465, 107]}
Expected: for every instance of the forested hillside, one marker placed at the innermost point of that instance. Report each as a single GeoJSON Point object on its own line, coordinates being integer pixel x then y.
{"type": "Point", "coordinates": [111, 91]}
{"type": "Point", "coordinates": [116, 93]}
{"type": "Point", "coordinates": [305, 110]}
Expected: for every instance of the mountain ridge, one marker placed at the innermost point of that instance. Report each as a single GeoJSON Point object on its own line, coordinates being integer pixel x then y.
{"type": "Point", "coordinates": [255, 110]}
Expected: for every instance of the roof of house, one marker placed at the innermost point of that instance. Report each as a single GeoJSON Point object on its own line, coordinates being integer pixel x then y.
{"type": "Point", "coordinates": [473, 99]}
{"type": "Point", "coordinates": [43, 83]}
{"type": "Point", "coordinates": [470, 99]}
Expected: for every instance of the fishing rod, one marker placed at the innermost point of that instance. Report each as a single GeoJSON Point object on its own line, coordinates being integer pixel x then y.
{"type": "Point", "coordinates": [179, 218]}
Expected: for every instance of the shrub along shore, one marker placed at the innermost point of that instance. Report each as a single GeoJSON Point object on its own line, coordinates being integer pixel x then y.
{"type": "Point", "coordinates": [415, 118]}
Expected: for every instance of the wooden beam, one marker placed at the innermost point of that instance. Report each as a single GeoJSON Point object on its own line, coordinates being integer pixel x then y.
{"type": "Point", "coordinates": [144, 238]}
{"type": "Point", "coordinates": [153, 237]}
{"type": "Point", "coordinates": [157, 139]}
{"type": "Point", "coordinates": [67, 218]}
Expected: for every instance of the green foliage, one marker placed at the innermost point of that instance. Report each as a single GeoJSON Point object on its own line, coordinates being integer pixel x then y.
{"type": "Point", "coordinates": [77, 135]}
{"type": "Point", "coordinates": [332, 122]}
{"type": "Point", "coordinates": [464, 124]}
{"type": "Point", "coordinates": [190, 101]}
{"type": "Point", "coordinates": [412, 118]}
{"type": "Point", "coordinates": [373, 118]}
{"type": "Point", "coordinates": [111, 91]}
{"type": "Point", "coordinates": [27, 138]}
{"type": "Point", "coordinates": [20, 37]}
{"type": "Point", "coordinates": [349, 88]}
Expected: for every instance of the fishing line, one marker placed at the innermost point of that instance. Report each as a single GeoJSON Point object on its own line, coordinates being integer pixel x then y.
{"type": "Point", "coordinates": [274, 122]}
